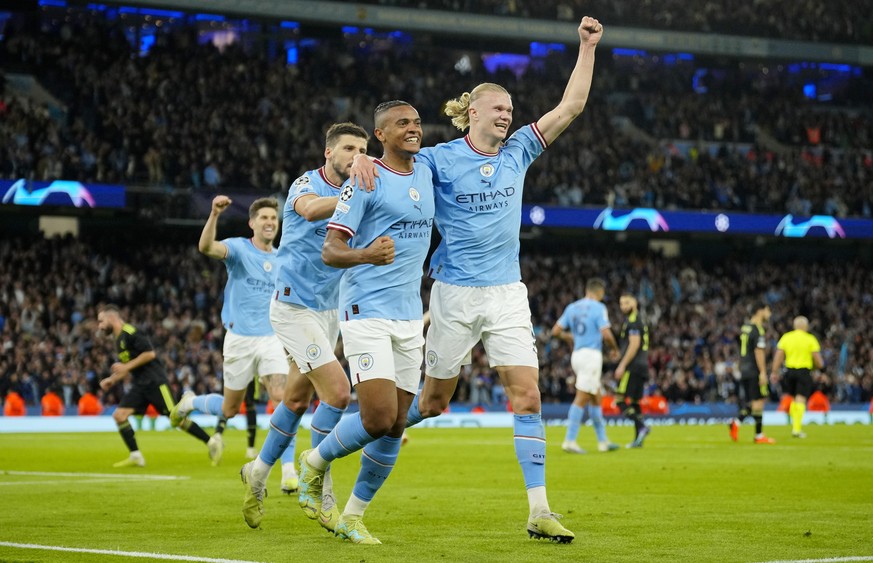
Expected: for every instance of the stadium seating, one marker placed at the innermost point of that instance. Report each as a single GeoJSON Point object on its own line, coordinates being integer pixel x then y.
{"type": "Point", "coordinates": [700, 134]}
{"type": "Point", "coordinates": [785, 19]}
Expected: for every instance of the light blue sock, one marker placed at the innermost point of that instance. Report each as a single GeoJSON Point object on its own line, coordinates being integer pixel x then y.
{"type": "Point", "coordinates": [347, 437]}
{"type": "Point", "coordinates": [283, 429]}
{"type": "Point", "coordinates": [413, 416]}
{"type": "Point", "coordinates": [377, 461]}
{"type": "Point", "coordinates": [599, 424]}
{"type": "Point", "coordinates": [209, 404]}
{"type": "Point", "coordinates": [324, 419]}
{"type": "Point", "coordinates": [288, 454]}
{"type": "Point", "coordinates": [530, 448]}
{"type": "Point", "coordinates": [573, 423]}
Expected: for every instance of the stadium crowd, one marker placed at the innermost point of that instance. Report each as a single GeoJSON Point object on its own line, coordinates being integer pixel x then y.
{"type": "Point", "coordinates": [784, 19]}
{"type": "Point", "coordinates": [189, 115]}
{"type": "Point", "coordinates": [49, 291]}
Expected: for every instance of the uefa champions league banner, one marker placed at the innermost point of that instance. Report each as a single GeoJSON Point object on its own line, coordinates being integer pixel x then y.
{"type": "Point", "coordinates": [726, 222]}
{"type": "Point", "coordinates": [61, 193]}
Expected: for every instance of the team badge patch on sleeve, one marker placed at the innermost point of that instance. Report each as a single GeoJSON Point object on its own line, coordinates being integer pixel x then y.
{"type": "Point", "coordinates": [347, 193]}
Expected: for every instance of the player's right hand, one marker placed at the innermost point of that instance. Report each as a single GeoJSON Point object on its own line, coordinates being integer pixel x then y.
{"type": "Point", "coordinates": [381, 251]}
{"type": "Point", "coordinates": [106, 383]}
{"type": "Point", "coordinates": [220, 203]}
{"type": "Point", "coordinates": [363, 173]}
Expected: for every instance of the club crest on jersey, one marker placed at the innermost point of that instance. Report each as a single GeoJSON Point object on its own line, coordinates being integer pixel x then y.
{"type": "Point", "coordinates": [365, 362]}
{"type": "Point", "coordinates": [486, 170]}
{"type": "Point", "coordinates": [268, 266]}
{"type": "Point", "coordinates": [413, 193]}
{"type": "Point", "coordinates": [432, 358]}
{"type": "Point", "coordinates": [347, 193]}
{"type": "Point", "coordinates": [313, 351]}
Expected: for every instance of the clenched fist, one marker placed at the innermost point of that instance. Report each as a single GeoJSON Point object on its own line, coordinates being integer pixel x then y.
{"type": "Point", "coordinates": [381, 251]}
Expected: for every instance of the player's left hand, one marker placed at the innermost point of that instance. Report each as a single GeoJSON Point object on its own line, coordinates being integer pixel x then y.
{"type": "Point", "coordinates": [107, 383]}
{"type": "Point", "coordinates": [118, 369]}
{"type": "Point", "coordinates": [590, 30]}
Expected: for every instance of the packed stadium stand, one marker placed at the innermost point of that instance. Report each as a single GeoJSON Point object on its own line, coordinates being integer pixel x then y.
{"type": "Point", "coordinates": [49, 290]}
{"type": "Point", "coordinates": [203, 108]}
{"type": "Point", "coordinates": [694, 133]}
{"type": "Point", "coordinates": [784, 19]}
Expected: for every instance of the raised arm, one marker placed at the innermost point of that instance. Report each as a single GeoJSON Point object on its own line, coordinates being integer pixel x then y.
{"type": "Point", "coordinates": [208, 245]}
{"type": "Point", "coordinates": [552, 124]}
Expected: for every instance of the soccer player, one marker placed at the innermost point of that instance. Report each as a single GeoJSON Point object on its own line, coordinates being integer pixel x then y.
{"type": "Point", "coordinates": [138, 359]}
{"type": "Point", "coordinates": [477, 293]}
{"type": "Point", "coordinates": [585, 325]}
{"type": "Point", "coordinates": [380, 311]}
{"type": "Point", "coordinates": [303, 313]}
{"type": "Point", "coordinates": [801, 352]}
{"type": "Point", "coordinates": [633, 368]}
{"type": "Point", "coordinates": [753, 374]}
{"type": "Point", "coordinates": [251, 349]}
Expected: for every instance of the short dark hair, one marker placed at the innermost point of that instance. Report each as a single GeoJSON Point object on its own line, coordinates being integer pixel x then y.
{"type": "Point", "coordinates": [385, 106]}
{"type": "Point", "coordinates": [261, 203]}
{"type": "Point", "coordinates": [595, 284]}
{"type": "Point", "coordinates": [346, 128]}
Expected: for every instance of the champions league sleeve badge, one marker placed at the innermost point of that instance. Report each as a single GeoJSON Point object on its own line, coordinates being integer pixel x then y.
{"type": "Point", "coordinates": [300, 183]}
{"type": "Point", "coordinates": [347, 193]}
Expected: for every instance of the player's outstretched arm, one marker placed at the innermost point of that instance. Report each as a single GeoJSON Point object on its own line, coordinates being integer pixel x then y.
{"type": "Point", "coordinates": [552, 124]}
{"type": "Point", "coordinates": [208, 245]}
{"type": "Point", "coordinates": [337, 253]}
{"type": "Point", "coordinates": [315, 208]}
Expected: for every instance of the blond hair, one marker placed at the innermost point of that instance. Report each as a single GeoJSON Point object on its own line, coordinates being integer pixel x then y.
{"type": "Point", "coordinates": [459, 108]}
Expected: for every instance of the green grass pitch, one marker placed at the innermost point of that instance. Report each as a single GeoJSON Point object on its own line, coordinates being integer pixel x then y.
{"type": "Point", "coordinates": [457, 495]}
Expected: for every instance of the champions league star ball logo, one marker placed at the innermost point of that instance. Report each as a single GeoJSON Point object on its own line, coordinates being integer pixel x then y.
{"type": "Point", "coordinates": [313, 351]}
{"type": "Point", "coordinates": [301, 183]}
{"type": "Point", "coordinates": [486, 170]}
{"type": "Point", "coordinates": [413, 193]}
{"type": "Point", "coordinates": [347, 193]}
{"type": "Point", "coordinates": [365, 362]}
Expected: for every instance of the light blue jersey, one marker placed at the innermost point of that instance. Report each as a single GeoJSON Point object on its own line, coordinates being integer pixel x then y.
{"type": "Point", "coordinates": [402, 207]}
{"type": "Point", "coordinates": [251, 274]}
{"type": "Point", "coordinates": [303, 279]}
{"type": "Point", "coordinates": [478, 209]}
{"type": "Point", "coordinates": [585, 319]}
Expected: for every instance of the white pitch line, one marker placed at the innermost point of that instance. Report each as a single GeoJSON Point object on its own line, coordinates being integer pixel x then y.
{"type": "Point", "coordinates": [145, 477]}
{"type": "Point", "coordinates": [139, 554]}
{"type": "Point", "coordinates": [65, 482]}
{"type": "Point", "coordinates": [828, 560]}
